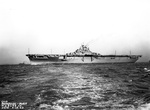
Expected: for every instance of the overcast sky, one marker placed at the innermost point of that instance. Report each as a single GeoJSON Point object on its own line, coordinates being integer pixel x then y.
{"type": "Point", "coordinates": [60, 26]}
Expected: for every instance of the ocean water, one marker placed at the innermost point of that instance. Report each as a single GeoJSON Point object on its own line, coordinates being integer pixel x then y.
{"type": "Point", "coordinates": [76, 86]}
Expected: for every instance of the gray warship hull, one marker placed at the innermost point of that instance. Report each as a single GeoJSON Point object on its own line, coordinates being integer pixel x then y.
{"type": "Point", "coordinates": [83, 59]}
{"type": "Point", "coordinates": [81, 56]}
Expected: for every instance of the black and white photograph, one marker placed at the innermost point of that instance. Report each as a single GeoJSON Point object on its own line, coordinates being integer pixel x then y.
{"type": "Point", "coordinates": [74, 55]}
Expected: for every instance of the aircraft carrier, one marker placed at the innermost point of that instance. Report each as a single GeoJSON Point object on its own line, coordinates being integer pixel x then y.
{"type": "Point", "coordinates": [82, 55]}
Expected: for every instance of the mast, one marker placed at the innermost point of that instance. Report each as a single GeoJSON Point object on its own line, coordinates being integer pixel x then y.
{"type": "Point", "coordinates": [28, 50]}
{"type": "Point", "coordinates": [130, 52]}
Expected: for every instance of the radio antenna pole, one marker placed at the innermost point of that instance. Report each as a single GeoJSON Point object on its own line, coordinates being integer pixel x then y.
{"type": "Point", "coordinates": [28, 50]}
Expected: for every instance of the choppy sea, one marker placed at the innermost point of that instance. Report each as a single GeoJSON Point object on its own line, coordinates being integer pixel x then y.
{"type": "Point", "coordinates": [76, 86]}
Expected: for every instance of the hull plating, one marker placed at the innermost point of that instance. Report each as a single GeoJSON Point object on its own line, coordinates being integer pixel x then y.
{"type": "Point", "coordinates": [84, 60]}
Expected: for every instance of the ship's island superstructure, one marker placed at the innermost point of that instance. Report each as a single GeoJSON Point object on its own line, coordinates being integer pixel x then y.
{"type": "Point", "coordinates": [81, 55]}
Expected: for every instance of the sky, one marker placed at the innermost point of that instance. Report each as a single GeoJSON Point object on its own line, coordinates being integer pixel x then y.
{"type": "Point", "coordinates": [61, 26]}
